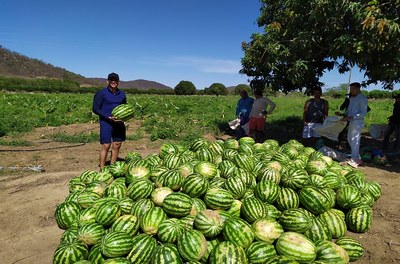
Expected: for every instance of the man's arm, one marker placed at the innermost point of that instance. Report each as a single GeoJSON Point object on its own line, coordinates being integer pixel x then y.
{"type": "Point", "coordinates": [97, 104]}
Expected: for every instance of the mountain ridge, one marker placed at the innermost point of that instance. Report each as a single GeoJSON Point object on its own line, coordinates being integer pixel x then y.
{"type": "Point", "coordinates": [14, 64]}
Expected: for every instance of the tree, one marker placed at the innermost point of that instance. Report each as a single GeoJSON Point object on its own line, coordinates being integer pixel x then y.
{"type": "Point", "coordinates": [185, 88]}
{"type": "Point", "coordinates": [241, 87]}
{"type": "Point", "coordinates": [303, 39]}
{"type": "Point", "coordinates": [216, 89]}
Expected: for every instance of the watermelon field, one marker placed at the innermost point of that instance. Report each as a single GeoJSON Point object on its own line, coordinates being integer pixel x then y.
{"type": "Point", "coordinates": [50, 141]}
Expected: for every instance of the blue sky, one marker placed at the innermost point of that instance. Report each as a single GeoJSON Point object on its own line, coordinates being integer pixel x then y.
{"type": "Point", "coordinates": [160, 40]}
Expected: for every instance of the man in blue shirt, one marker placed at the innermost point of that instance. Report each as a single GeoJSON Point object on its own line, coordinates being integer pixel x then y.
{"type": "Point", "coordinates": [243, 110]}
{"type": "Point", "coordinates": [112, 131]}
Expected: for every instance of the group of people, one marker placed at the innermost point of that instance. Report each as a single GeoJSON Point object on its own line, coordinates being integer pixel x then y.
{"type": "Point", "coordinates": [252, 113]}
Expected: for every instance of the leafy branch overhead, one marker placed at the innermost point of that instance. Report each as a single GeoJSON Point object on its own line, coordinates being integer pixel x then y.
{"type": "Point", "coordinates": [304, 39]}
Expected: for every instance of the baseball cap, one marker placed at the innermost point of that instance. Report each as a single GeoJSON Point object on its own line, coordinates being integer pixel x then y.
{"type": "Point", "coordinates": [113, 77]}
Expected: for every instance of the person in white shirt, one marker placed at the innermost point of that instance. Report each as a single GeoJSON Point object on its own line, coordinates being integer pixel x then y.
{"type": "Point", "coordinates": [259, 114]}
{"type": "Point", "coordinates": [355, 114]}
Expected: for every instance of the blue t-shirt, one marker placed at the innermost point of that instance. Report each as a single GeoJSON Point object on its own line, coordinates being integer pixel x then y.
{"type": "Point", "coordinates": [105, 101]}
{"type": "Point", "coordinates": [244, 107]}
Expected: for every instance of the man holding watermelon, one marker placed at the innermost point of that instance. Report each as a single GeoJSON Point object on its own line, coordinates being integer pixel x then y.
{"type": "Point", "coordinates": [112, 130]}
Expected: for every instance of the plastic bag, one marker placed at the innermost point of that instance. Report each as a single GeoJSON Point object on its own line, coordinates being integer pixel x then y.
{"type": "Point", "coordinates": [331, 127]}
{"type": "Point", "coordinates": [333, 153]}
{"type": "Point", "coordinates": [234, 123]}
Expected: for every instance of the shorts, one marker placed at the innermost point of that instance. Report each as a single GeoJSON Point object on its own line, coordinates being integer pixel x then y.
{"type": "Point", "coordinates": [257, 124]}
{"type": "Point", "coordinates": [112, 132]}
{"type": "Point", "coordinates": [309, 132]}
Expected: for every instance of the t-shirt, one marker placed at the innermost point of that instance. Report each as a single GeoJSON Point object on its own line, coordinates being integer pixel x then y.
{"type": "Point", "coordinates": [105, 101]}
{"type": "Point", "coordinates": [244, 107]}
{"type": "Point", "coordinates": [260, 105]}
{"type": "Point", "coordinates": [358, 107]}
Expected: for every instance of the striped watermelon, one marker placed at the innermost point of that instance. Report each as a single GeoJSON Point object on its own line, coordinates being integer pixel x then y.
{"type": "Point", "coordinates": [123, 112]}
{"type": "Point", "coordinates": [66, 214]}
{"type": "Point", "coordinates": [70, 235]}
{"type": "Point", "coordinates": [359, 219]}
{"type": "Point", "coordinates": [206, 168]}
{"type": "Point", "coordinates": [170, 230]}
{"type": "Point", "coordinates": [150, 220]}
{"type": "Point", "coordinates": [295, 220]}
{"type": "Point", "coordinates": [166, 254]}
{"type": "Point", "coordinates": [235, 208]}
{"type": "Point", "coordinates": [177, 204]}
{"type": "Point", "coordinates": [87, 176]}
{"type": "Point", "coordinates": [116, 244]}
{"type": "Point", "coordinates": [318, 230]}
{"type": "Point", "coordinates": [126, 205]}
{"type": "Point", "coordinates": [95, 255]}
{"type": "Point", "coordinates": [140, 188]}
{"type": "Point", "coordinates": [143, 246]}
{"type": "Point", "coordinates": [314, 200]}
{"type": "Point", "coordinates": [260, 251]}
{"type": "Point", "coordinates": [348, 197]}
{"type": "Point", "coordinates": [334, 222]}
{"type": "Point", "coordinates": [96, 187]}
{"type": "Point", "coordinates": [267, 230]}
{"type": "Point", "coordinates": [171, 179]}
{"type": "Point", "coordinates": [67, 253]}
{"type": "Point", "coordinates": [294, 178]}
{"type": "Point", "coordinates": [287, 198]}
{"type": "Point", "coordinates": [238, 231]}
{"type": "Point", "coordinates": [192, 245]}
{"type": "Point", "coordinates": [118, 169]}
{"type": "Point", "coordinates": [126, 223]}
{"type": "Point", "coordinates": [86, 199]}
{"type": "Point", "coordinates": [235, 186]}
{"type": "Point", "coordinates": [116, 190]}
{"type": "Point", "coordinates": [272, 211]}
{"type": "Point", "coordinates": [120, 260]}
{"type": "Point", "coordinates": [140, 207]}
{"type": "Point", "coordinates": [253, 209]}
{"type": "Point", "coordinates": [227, 252]}
{"type": "Point", "coordinates": [267, 191]}
{"type": "Point", "coordinates": [209, 222]}
{"type": "Point", "coordinates": [297, 247]}
{"type": "Point", "coordinates": [195, 185]}
{"type": "Point", "coordinates": [91, 234]}
{"type": "Point", "coordinates": [198, 206]}
{"type": "Point", "coordinates": [87, 216]}
{"type": "Point", "coordinates": [269, 174]}
{"type": "Point", "coordinates": [352, 246]}
{"type": "Point", "coordinates": [107, 213]}
{"type": "Point", "coordinates": [198, 143]}
{"type": "Point", "coordinates": [374, 189]}
{"type": "Point", "coordinates": [218, 199]}
{"type": "Point", "coordinates": [329, 252]}
{"type": "Point", "coordinates": [137, 171]}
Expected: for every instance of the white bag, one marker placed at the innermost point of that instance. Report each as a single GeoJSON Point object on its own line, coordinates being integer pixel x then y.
{"type": "Point", "coordinates": [333, 153]}
{"type": "Point", "coordinates": [234, 123]}
{"type": "Point", "coordinates": [331, 127]}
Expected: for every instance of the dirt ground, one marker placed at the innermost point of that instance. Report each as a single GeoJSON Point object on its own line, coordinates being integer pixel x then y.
{"type": "Point", "coordinates": [29, 233]}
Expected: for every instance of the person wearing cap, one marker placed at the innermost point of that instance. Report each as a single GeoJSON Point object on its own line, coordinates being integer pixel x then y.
{"type": "Point", "coordinates": [112, 131]}
{"type": "Point", "coordinates": [355, 114]}
{"type": "Point", "coordinates": [394, 125]}
{"type": "Point", "coordinates": [243, 109]}
{"type": "Point", "coordinates": [315, 111]}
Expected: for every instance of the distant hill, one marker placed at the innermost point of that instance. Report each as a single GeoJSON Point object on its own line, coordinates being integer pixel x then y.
{"type": "Point", "coordinates": [14, 64]}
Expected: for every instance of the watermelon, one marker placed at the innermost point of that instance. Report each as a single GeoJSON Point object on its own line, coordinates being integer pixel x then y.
{"type": "Point", "coordinates": [296, 246]}
{"type": "Point", "coordinates": [238, 231]}
{"type": "Point", "coordinates": [177, 204]}
{"type": "Point", "coordinates": [158, 195]}
{"type": "Point", "coordinates": [91, 234]}
{"type": "Point", "coordinates": [294, 219]}
{"type": "Point", "coordinates": [195, 185]}
{"type": "Point", "coordinates": [259, 251]}
{"type": "Point", "coordinates": [318, 230]}
{"type": "Point", "coordinates": [66, 214]}
{"type": "Point", "coordinates": [107, 213]}
{"type": "Point", "coordinates": [359, 219]}
{"type": "Point", "coordinates": [253, 209]}
{"type": "Point", "coordinates": [314, 200]}
{"type": "Point", "coordinates": [140, 188]}
{"type": "Point", "coordinates": [150, 220]}
{"type": "Point", "coordinates": [209, 222]}
{"type": "Point", "coordinates": [116, 244]}
{"type": "Point", "coordinates": [123, 112]}
{"type": "Point", "coordinates": [143, 246]}
{"type": "Point", "coordinates": [192, 245]}
{"type": "Point", "coordinates": [334, 222]}
{"type": "Point", "coordinates": [170, 230]}
{"type": "Point", "coordinates": [126, 223]}
{"type": "Point", "coordinates": [287, 198]}
{"type": "Point", "coordinates": [166, 254]}
{"type": "Point", "coordinates": [354, 249]}
{"type": "Point", "coordinates": [329, 252]}
{"type": "Point", "coordinates": [348, 197]}
{"type": "Point", "coordinates": [67, 253]}
{"type": "Point", "coordinates": [267, 230]}
{"type": "Point", "coordinates": [218, 199]}
{"type": "Point", "coordinates": [227, 252]}
{"type": "Point", "coordinates": [140, 207]}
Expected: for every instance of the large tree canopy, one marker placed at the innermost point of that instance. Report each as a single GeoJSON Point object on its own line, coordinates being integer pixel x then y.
{"type": "Point", "coordinates": [302, 39]}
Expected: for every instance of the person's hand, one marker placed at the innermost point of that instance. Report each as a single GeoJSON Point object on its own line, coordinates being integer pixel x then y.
{"type": "Point", "coordinates": [347, 118]}
{"type": "Point", "coordinates": [114, 119]}
{"type": "Point", "coordinates": [338, 114]}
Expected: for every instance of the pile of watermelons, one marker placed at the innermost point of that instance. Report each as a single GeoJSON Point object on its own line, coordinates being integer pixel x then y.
{"type": "Point", "coordinates": [232, 201]}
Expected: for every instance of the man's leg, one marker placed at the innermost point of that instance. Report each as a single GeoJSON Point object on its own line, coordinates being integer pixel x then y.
{"type": "Point", "coordinates": [103, 154]}
{"type": "Point", "coordinates": [115, 151]}
{"type": "Point", "coordinates": [354, 138]}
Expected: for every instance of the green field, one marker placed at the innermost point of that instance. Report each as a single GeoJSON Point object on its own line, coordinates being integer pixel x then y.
{"type": "Point", "coordinates": [171, 117]}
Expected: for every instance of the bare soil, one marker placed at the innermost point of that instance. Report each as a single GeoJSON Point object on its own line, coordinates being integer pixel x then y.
{"type": "Point", "coordinates": [29, 233]}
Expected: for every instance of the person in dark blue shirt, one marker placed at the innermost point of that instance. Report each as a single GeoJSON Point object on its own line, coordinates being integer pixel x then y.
{"type": "Point", "coordinates": [243, 110]}
{"type": "Point", "coordinates": [112, 131]}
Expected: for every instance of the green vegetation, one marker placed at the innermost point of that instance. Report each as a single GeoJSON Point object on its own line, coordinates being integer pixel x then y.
{"type": "Point", "coordinates": [301, 40]}
{"type": "Point", "coordinates": [168, 117]}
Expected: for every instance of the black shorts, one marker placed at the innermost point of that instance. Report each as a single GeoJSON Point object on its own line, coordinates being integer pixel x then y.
{"type": "Point", "coordinates": [112, 132]}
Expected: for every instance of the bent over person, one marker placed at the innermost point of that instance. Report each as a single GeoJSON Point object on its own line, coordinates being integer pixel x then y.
{"type": "Point", "coordinates": [259, 114]}
{"type": "Point", "coordinates": [112, 131]}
